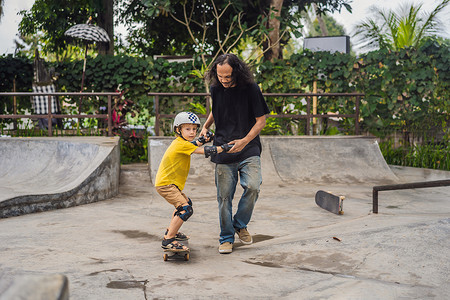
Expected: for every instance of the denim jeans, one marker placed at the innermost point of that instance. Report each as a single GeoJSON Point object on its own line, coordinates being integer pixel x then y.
{"type": "Point", "coordinates": [249, 171]}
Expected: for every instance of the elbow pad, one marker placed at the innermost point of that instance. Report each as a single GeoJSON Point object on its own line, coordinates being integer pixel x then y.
{"type": "Point", "coordinates": [210, 150]}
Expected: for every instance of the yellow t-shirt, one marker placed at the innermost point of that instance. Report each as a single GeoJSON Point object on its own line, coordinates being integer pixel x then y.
{"type": "Point", "coordinates": [175, 164]}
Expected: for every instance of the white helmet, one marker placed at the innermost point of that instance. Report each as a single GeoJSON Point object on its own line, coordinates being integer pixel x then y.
{"type": "Point", "coordinates": [186, 118]}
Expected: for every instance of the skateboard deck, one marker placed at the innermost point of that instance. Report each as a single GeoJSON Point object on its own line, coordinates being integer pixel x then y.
{"type": "Point", "coordinates": [169, 253]}
{"type": "Point", "coordinates": [330, 202]}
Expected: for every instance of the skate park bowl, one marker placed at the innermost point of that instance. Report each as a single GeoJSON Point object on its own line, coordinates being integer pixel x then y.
{"type": "Point", "coordinates": [112, 249]}
{"type": "Point", "coordinates": [299, 159]}
{"type": "Point", "coordinates": [43, 173]}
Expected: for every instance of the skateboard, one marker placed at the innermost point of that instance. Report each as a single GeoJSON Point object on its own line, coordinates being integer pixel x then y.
{"type": "Point", "coordinates": [330, 202]}
{"type": "Point", "coordinates": [169, 253]}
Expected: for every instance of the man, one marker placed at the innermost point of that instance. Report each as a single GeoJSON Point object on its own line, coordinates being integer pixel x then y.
{"type": "Point", "coordinates": [238, 112]}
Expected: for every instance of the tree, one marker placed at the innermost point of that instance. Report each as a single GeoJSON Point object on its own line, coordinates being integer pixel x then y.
{"type": "Point", "coordinates": [53, 17]}
{"type": "Point", "coordinates": [333, 28]}
{"type": "Point", "coordinates": [106, 21]}
{"type": "Point", "coordinates": [394, 30]}
{"type": "Point", "coordinates": [157, 31]}
{"type": "Point", "coordinates": [159, 27]}
{"type": "Point", "coordinates": [322, 26]}
{"type": "Point", "coordinates": [290, 19]}
{"type": "Point", "coordinates": [274, 25]}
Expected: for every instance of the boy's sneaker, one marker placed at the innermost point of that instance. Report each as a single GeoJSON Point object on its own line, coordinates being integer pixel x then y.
{"type": "Point", "coordinates": [244, 236]}
{"type": "Point", "coordinates": [226, 247]}
{"type": "Point", "coordinates": [179, 236]}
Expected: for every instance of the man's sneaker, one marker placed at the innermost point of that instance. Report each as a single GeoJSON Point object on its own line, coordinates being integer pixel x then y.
{"type": "Point", "coordinates": [226, 247]}
{"type": "Point", "coordinates": [244, 236]}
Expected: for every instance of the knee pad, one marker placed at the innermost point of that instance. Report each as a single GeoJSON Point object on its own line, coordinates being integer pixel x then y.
{"type": "Point", "coordinates": [188, 211]}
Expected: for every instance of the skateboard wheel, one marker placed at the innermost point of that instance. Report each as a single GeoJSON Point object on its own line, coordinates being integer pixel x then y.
{"type": "Point", "coordinates": [186, 256]}
{"type": "Point", "coordinates": [165, 257]}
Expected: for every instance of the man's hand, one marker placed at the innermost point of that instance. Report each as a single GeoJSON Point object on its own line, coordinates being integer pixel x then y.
{"type": "Point", "coordinates": [203, 132]}
{"type": "Point", "coordinates": [238, 145]}
{"type": "Point", "coordinates": [256, 129]}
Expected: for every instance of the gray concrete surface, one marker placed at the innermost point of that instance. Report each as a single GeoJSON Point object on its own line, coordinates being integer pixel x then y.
{"type": "Point", "coordinates": [41, 173]}
{"type": "Point", "coordinates": [38, 287]}
{"type": "Point", "coordinates": [111, 249]}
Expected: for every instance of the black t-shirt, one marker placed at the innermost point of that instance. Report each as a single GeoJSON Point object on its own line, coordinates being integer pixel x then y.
{"type": "Point", "coordinates": [235, 111]}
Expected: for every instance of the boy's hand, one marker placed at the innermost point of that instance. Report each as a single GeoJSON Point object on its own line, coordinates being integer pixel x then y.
{"type": "Point", "coordinates": [226, 147]}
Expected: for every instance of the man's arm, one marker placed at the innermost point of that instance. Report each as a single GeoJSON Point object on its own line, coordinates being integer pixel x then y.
{"type": "Point", "coordinates": [209, 121]}
{"type": "Point", "coordinates": [201, 150]}
{"type": "Point", "coordinates": [256, 129]}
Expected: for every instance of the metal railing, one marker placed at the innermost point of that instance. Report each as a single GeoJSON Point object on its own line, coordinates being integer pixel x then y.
{"type": "Point", "coordinates": [309, 116]}
{"type": "Point", "coordinates": [49, 116]}
{"type": "Point", "coordinates": [404, 186]}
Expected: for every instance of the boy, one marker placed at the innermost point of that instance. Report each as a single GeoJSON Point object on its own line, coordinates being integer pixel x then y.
{"type": "Point", "coordinates": [173, 171]}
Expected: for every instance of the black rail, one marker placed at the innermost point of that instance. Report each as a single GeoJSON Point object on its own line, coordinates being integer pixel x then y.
{"type": "Point", "coordinates": [49, 116]}
{"type": "Point", "coordinates": [405, 186]}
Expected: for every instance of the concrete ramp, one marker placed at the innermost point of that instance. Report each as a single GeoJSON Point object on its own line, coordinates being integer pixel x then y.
{"type": "Point", "coordinates": [39, 174]}
{"type": "Point", "coordinates": [299, 159]}
{"type": "Point", "coordinates": [326, 159]}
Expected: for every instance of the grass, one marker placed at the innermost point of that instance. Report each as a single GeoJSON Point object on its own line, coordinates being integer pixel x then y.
{"type": "Point", "coordinates": [430, 156]}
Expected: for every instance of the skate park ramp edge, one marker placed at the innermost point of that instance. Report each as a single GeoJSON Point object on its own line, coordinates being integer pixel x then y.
{"type": "Point", "coordinates": [44, 173]}
{"type": "Point", "coordinates": [299, 159]}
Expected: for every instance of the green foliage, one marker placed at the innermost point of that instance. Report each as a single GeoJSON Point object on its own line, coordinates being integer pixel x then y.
{"type": "Point", "coordinates": [165, 17]}
{"type": "Point", "coordinates": [54, 17]}
{"type": "Point", "coordinates": [133, 146]}
{"type": "Point", "coordinates": [394, 30]}
{"type": "Point", "coordinates": [431, 156]}
{"type": "Point", "coordinates": [406, 91]}
{"type": "Point", "coordinates": [198, 108]}
{"type": "Point", "coordinates": [133, 75]}
{"type": "Point", "coordinates": [18, 71]}
{"type": "Point", "coordinates": [333, 72]}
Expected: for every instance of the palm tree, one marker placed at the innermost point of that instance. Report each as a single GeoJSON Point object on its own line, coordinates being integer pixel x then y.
{"type": "Point", "coordinates": [408, 27]}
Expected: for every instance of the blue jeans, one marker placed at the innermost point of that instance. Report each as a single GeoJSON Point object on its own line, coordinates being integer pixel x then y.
{"type": "Point", "coordinates": [249, 171]}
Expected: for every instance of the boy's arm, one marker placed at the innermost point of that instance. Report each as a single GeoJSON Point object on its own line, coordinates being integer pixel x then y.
{"type": "Point", "coordinates": [211, 150]}
{"type": "Point", "coordinates": [201, 150]}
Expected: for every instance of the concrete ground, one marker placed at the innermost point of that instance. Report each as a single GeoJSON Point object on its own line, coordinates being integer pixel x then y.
{"type": "Point", "coordinates": [111, 249]}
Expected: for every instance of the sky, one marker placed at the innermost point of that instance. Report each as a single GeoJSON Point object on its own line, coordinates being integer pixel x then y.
{"type": "Point", "coordinates": [361, 10]}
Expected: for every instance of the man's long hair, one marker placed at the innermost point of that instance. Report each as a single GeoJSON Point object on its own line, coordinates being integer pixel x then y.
{"type": "Point", "coordinates": [241, 74]}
